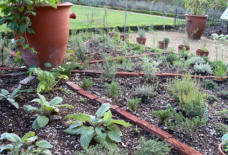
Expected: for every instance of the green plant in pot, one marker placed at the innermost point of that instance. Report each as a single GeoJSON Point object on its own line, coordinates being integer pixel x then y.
{"type": "Point", "coordinates": [141, 39]}
{"type": "Point", "coordinates": [203, 52]}
{"type": "Point", "coordinates": [164, 43]}
{"type": "Point", "coordinates": [196, 18]}
{"type": "Point", "coordinates": [40, 28]}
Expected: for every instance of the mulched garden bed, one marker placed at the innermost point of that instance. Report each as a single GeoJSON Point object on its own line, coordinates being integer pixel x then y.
{"type": "Point", "coordinates": [205, 141]}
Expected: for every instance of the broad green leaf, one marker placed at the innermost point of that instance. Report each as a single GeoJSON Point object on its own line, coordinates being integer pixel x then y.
{"type": "Point", "coordinates": [104, 107]}
{"type": "Point", "coordinates": [35, 125]}
{"type": "Point", "coordinates": [99, 132]}
{"type": "Point", "coordinates": [79, 117]}
{"type": "Point", "coordinates": [44, 144]}
{"type": "Point", "coordinates": [76, 131]}
{"type": "Point", "coordinates": [42, 99]}
{"type": "Point", "coordinates": [30, 108]}
{"type": "Point", "coordinates": [4, 92]}
{"type": "Point", "coordinates": [6, 147]}
{"type": "Point", "coordinates": [107, 117]}
{"type": "Point", "coordinates": [14, 93]}
{"type": "Point", "coordinates": [114, 134]}
{"type": "Point", "coordinates": [120, 122]}
{"type": "Point", "coordinates": [86, 136]}
{"type": "Point", "coordinates": [36, 100]}
{"type": "Point", "coordinates": [22, 28]}
{"type": "Point", "coordinates": [42, 121]}
{"type": "Point", "coordinates": [75, 125]}
{"type": "Point", "coordinates": [55, 101]}
{"type": "Point", "coordinates": [12, 102]}
{"type": "Point", "coordinates": [11, 137]}
{"type": "Point", "coordinates": [29, 137]}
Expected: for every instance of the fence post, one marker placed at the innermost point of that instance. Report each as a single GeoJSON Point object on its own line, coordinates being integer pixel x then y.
{"type": "Point", "coordinates": [175, 18]}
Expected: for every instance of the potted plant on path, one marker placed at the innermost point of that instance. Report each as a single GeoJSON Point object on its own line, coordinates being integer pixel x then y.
{"type": "Point", "coordinates": [183, 46]}
{"type": "Point", "coordinates": [141, 39]}
{"type": "Point", "coordinates": [203, 52]}
{"type": "Point", "coordinates": [41, 29]}
{"type": "Point", "coordinates": [195, 19]}
{"type": "Point", "coordinates": [223, 147]}
{"type": "Point", "coordinates": [164, 43]}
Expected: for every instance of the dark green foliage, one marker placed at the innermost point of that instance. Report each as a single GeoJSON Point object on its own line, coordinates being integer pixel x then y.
{"type": "Point", "coordinates": [132, 103]}
{"type": "Point", "coordinates": [151, 147]}
{"type": "Point", "coordinates": [113, 90]}
{"type": "Point", "coordinates": [64, 69]}
{"type": "Point", "coordinates": [109, 68]}
{"type": "Point", "coordinates": [222, 129]}
{"type": "Point", "coordinates": [87, 83]}
{"type": "Point", "coordinates": [224, 94]}
{"type": "Point", "coordinates": [211, 99]}
{"type": "Point", "coordinates": [209, 84]}
{"type": "Point", "coordinates": [170, 58]}
{"type": "Point", "coordinates": [163, 115]}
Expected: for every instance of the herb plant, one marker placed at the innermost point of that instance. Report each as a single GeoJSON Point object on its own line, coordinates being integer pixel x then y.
{"type": "Point", "coordinates": [46, 109]}
{"type": "Point", "coordinates": [101, 128]}
{"type": "Point", "coordinates": [86, 84]}
{"type": "Point", "coordinates": [109, 68]}
{"type": "Point", "coordinates": [144, 92]}
{"type": "Point", "coordinates": [5, 95]}
{"type": "Point", "coordinates": [204, 69]}
{"type": "Point", "coordinates": [113, 90]}
{"type": "Point", "coordinates": [132, 103]}
{"type": "Point", "coordinates": [151, 147]}
{"type": "Point", "coordinates": [26, 145]}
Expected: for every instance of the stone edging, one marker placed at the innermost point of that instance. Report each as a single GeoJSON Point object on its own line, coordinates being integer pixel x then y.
{"type": "Point", "coordinates": [177, 145]}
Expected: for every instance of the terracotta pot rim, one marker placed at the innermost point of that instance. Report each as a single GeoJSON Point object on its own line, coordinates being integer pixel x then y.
{"type": "Point", "coordinates": [199, 50]}
{"type": "Point", "coordinates": [220, 149]}
{"type": "Point", "coordinates": [63, 4]}
{"type": "Point", "coordinates": [196, 16]}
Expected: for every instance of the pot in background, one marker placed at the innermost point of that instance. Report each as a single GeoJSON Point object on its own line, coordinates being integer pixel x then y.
{"type": "Point", "coordinates": [202, 53]}
{"type": "Point", "coordinates": [183, 47]}
{"type": "Point", "coordinates": [51, 28]}
{"type": "Point", "coordinates": [123, 37]}
{"type": "Point", "coordinates": [163, 45]}
{"type": "Point", "coordinates": [141, 40]}
{"type": "Point", "coordinates": [195, 25]}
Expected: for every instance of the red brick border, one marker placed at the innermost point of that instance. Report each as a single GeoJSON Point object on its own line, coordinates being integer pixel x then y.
{"type": "Point", "coordinates": [177, 145]}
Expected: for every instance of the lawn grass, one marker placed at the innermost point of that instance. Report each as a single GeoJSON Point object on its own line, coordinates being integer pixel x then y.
{"type": "Point", "coordinates": [91, 17]}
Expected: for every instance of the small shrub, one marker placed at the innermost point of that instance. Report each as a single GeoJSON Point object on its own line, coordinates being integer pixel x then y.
{"type": "Point", "coordinates": [109, 68]}
{"type": "Point", "coordinates": [113, 90]}
{"type": "Point", "coordinates": [46, 109]}
{"type": "Point", "coordinates": [126, 65]}
{"type": "Point", "coordinates": [224, 94]}
{"type": "Point", "coordinates": [151, 147]}
{"type": "Point", "coordinates": [24, 145]}
{"type": "Point", "coordinates": [172, 57]}
{"type": "Point", "coordinates": [163, 115]}
{"type": "Point", "coordinates": [223, 113]}
{"type": "Point", "coordinates": [141, 33]}
{"type": "Point", "coordinates": [222, 129]}
{"type": "Point", "coordinates": [211, 99]}
{"type": "Point", "coordinates": [195, 60]}
{"type": "Point", "coordinates": [204, 69]}
{"type": "Point", "coordinates": [132, 103]}
{"type": "Point", "coordinates": [80, 49]}
{"type": "Point", "coordinates": [209, 84]}
{"type": "Point", "coordinates": [101, 128]}
{"type": "Point", "coordinates": [86, 84]}
{"type": "Point", "coordinates": [220, 69]}
{"type": "Point", "coordinates": [5, 95]}
{"type": "Point", "coordinates": [144, 92]}
{"type": "Point", "coordinates": [150, 68]}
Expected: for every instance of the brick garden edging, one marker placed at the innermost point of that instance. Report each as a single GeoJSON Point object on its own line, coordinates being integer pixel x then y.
{"type": "Point", "coordinates": [137, 74]}
{"type": "Point", "coordinates": [177, 145]}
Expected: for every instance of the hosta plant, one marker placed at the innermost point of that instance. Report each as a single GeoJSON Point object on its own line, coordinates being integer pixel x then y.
{"type": "Point", "coordinates": [27, 145]}
{"type": "Point", "coordinates": [100, 128]}
{"type": "Point", "coordinates": [46, 109]}
{"type": "Point", "coordinates": [5, 95]}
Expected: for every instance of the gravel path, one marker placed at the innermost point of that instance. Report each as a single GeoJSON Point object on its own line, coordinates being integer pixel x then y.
{"type": "Point", "coordinates": [177, 38]}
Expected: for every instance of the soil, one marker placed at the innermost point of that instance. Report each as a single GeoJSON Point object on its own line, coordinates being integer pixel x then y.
{"type": "Point", "coordinates": [206, 140]}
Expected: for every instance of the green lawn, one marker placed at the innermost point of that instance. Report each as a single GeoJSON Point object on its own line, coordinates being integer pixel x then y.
{"type": "Point", "coordinates": [89, 17]}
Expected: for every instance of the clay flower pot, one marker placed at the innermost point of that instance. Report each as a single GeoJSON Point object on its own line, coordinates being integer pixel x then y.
{"type": "Point", "coordinates": [141, 41]}
{"type": "Point", "coordinates": [51, 28]}
{"type": "Point", "coordinates": [220, 150]}
{"type": "Point", "coordinates": [163, 45]}
{"type": "Point", "coordinates": [183, 47]}
{"type": "Point", "coordinates": [202, 53]}
{"type": "Point", "coordinates": [195, 25]}
{"type": "Point", "coordinates": [123, 37]}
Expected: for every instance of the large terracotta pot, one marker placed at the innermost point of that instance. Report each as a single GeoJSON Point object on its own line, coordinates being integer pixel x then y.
{"type": "Point", "coordinates": [220, 150]}
{"type": "Point", "coordinates": [202, 53]}
{"type": "Point", "coordinates": [163, 45]}
{"type": "Point", "coordinates": [195, 25]}
{"type": "Point", "coordinates": [51, 28]}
